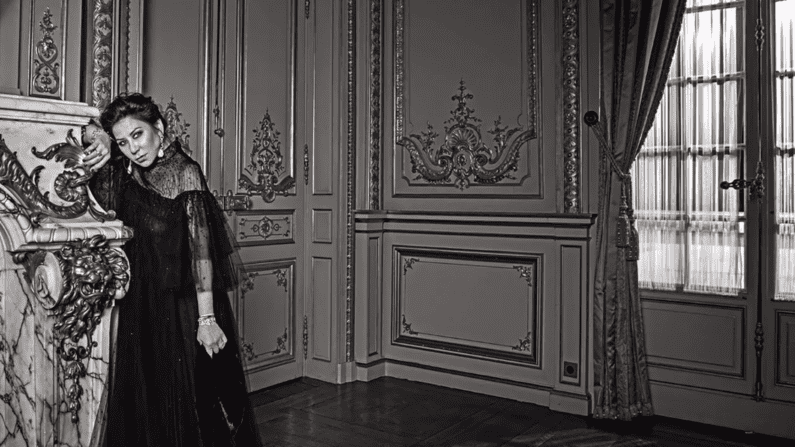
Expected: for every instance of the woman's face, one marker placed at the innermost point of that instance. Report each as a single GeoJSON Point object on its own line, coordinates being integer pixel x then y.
{"type": "Point", "coordinates": [138, 140]}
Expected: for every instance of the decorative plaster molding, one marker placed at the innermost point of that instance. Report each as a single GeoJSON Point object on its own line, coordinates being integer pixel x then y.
{"type": "Point", "coordinates": [350, 187]}
{"type": "Point", "coordinates": [571, 106]}
{"type": "Point", "coordinates": [376, 93]}
{"type": "Point", "coordinates": [176, 127]}
{"type": "Point", "coordinates": [101, 82]}
{"type": "Point", "coordinates": [463, 153]}
{"type": "Point", "coordinates": [266, 164]}
{"type": "Point", "coordinates": [46, 68]}
{"type": "Point", "coordinates": [400, 112]}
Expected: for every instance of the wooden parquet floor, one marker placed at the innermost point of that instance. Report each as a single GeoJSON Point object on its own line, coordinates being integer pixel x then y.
{"type": "Point", "coordinates": [395, 412]}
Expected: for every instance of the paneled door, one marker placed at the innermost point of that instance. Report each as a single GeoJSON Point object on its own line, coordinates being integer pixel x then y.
{"type": "Point", "coordinates": [256, 159]}
{"type": "Point", "coordinates": [274, 156]}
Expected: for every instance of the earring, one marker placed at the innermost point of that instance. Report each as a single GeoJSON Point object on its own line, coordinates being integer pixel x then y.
{"type": "Point", "coordinates": [160, 151]}
{"type": "Point", "coordinates": [129, 166]}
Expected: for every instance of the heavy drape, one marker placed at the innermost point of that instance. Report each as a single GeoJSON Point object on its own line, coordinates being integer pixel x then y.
{"type": "Point", "coordinates": [638, 42]}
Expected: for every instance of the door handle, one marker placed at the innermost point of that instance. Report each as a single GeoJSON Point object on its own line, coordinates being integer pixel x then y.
{"type": "Point", "coordinates": [756, 186]}
{"type": "Point", "coordinates": [233, 202]}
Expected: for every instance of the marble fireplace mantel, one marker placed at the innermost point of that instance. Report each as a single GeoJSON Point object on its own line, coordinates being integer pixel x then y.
{"type": "Point", "coordinates": [61, 269]}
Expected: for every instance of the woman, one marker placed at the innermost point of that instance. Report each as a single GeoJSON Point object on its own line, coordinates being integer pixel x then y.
{"type": "Point", "coordinates": [177, 379]}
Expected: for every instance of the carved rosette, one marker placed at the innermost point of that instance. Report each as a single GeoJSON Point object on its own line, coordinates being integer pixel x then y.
{"type": "Point", "coordinates": [46, 66]}
{"type": "Point", "coordinates": [266, 227]}
{"type": "Point", "coordinates": [464, 155]}
{"type": "Point", "coordinates": [176, 127]}
{"type": "Point", "coordinates": [266, 164]}
{"type": "Point", "coordinates": [69, 185]}
{"type": "Point", "coordinates": [76, 284]}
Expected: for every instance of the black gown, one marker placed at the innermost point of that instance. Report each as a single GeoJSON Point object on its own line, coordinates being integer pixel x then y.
{"type": "Point", "coordinates": [165, 390]}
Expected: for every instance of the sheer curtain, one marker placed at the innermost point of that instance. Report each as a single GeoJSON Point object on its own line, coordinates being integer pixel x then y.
{"type": "Point", "coordinates": [692, 232]}
{"type": "Point", "coordinates": [784, 60]}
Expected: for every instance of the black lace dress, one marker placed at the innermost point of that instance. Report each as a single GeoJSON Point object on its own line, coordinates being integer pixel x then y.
{"type": "Point", "coordinates": [165, 390]}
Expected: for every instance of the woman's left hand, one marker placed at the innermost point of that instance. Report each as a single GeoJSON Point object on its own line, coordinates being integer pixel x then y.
{"type": "Point", "coordinates": [97, 154]}
{"type": "Point", "coordinates": [212, 338]}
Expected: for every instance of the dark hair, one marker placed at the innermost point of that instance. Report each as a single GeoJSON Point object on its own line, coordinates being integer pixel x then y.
{"type": "Point", "coordinates": [134, 105]}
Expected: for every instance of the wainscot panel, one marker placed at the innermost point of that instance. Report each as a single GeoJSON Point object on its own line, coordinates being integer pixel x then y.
{"type": "Point", "coordinates": [266, 314]}
{"type": "Point", "coordinates": [477, 300]}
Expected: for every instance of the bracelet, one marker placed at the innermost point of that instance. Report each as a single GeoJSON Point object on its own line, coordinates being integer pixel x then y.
{"type": "Point", "coordinates": [207, 320]}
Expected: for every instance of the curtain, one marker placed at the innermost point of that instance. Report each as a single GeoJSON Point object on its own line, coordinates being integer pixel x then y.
{"type": "Point", "coordinates": [638, 42]}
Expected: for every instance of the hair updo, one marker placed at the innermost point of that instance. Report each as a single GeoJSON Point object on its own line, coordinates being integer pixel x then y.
{"type": "Point", "coordinates": [134, 105]}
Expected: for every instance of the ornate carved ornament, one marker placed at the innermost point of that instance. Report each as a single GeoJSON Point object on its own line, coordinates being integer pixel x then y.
{"type": "Point", "coordinates": [103, 53]}
{"type": "Point", "coordinates": [281, 344]}
{"type": "Point", "coordinates": [69, 185]}
{"type": "Point", "coordinates": [266, 164]}
{"type": "Point", "coordinates": [266, 228]}
{"type": "Point", "coordinates": [46, 68]}
{"type": "Point", "coordinates": [463, 153]}
{"type": "Point", "coordinates": [247, 279]}
{"type": "Point", "coordinates": [571, 106]}
{"type": "Point", "coordinates": [306, 336]}
{"type": "Point", "coordinates": [176, 127]}
{"type": "Point", "coordinates": [525, 344]}
{"type": "Point", "coordinates": [350, 190]}
{"type": "Point", "coordinates": [76, 284]}
{"type": "Point", "coordinates": [407, 326]}
{"type": "Point", "coordinates": [528, 273]}
{"type": "Point", "coordinates": [376, 92]}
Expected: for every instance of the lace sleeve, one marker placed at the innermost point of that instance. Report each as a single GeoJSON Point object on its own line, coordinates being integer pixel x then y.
{"type": "Point", "coordinates": [196, 211]}
{"type": "Point", "coordinates": [105, 185]}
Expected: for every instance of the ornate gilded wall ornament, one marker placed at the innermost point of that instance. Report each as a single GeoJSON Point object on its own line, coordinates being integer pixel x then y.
{"type": "Point", "coordinates": [176, 127]}
{"type": "Point", "coordinates": [247, 282]}
{"type": "Point", "coordinates": [532, 68]}
{"type": "Point", "coordinates": [407, 327]}
{"type": "Point", "coordinates": [46, 78]}
{"type": "Point", "coordinates": [266, 164]}
{"type": "Point", "coordinates": [69, 185]}
{"type": "Point", "coordinates": [407, 263]}
{"type": "Point", "coordinates": [464, 155]}
{"type": "Point", "coordinates": [281, 278]}
{"type": "Point", "coordinates": [525, 344]}
{"type": "Point", "coordinates": [101, 84]}
{"type": "Point", "coordinates": [528, 273]}
{"type": "Point", "coordinates": [376, 92]}
{"type": "Point", "coordinates": [306, 336]}
{"type": "Point", "coordinates": [281, 343]}
{"type": "Point", "coordinates": [85, 276]}
{"type": "Point", "coordinates": [571, 106]}
{"type": "Point", "coordinates": [266, 227]}
{"type": "Point", "coordinates": [247, 349]}
{"type": "Point", "coordinates": [350, 190]}
{"type": "Point", "coordinates": [306, 164]}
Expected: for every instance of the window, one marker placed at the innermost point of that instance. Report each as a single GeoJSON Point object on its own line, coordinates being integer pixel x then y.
{"type": "Point", "coordinates": [692, 232]}
{"type": "Point", "coordinates": [784, 66]}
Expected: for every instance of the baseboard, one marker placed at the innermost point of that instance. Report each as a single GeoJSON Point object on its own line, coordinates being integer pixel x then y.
{"type": "Point", "coordinates": [492, 386]}
{"type": "Point", "coordinates": [569, 403]}
{"type": "Point", "coordinates": [724, 410]}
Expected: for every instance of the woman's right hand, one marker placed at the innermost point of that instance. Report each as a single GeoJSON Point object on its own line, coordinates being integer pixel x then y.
{"type": "Point", "coordinates": [97, 154]}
